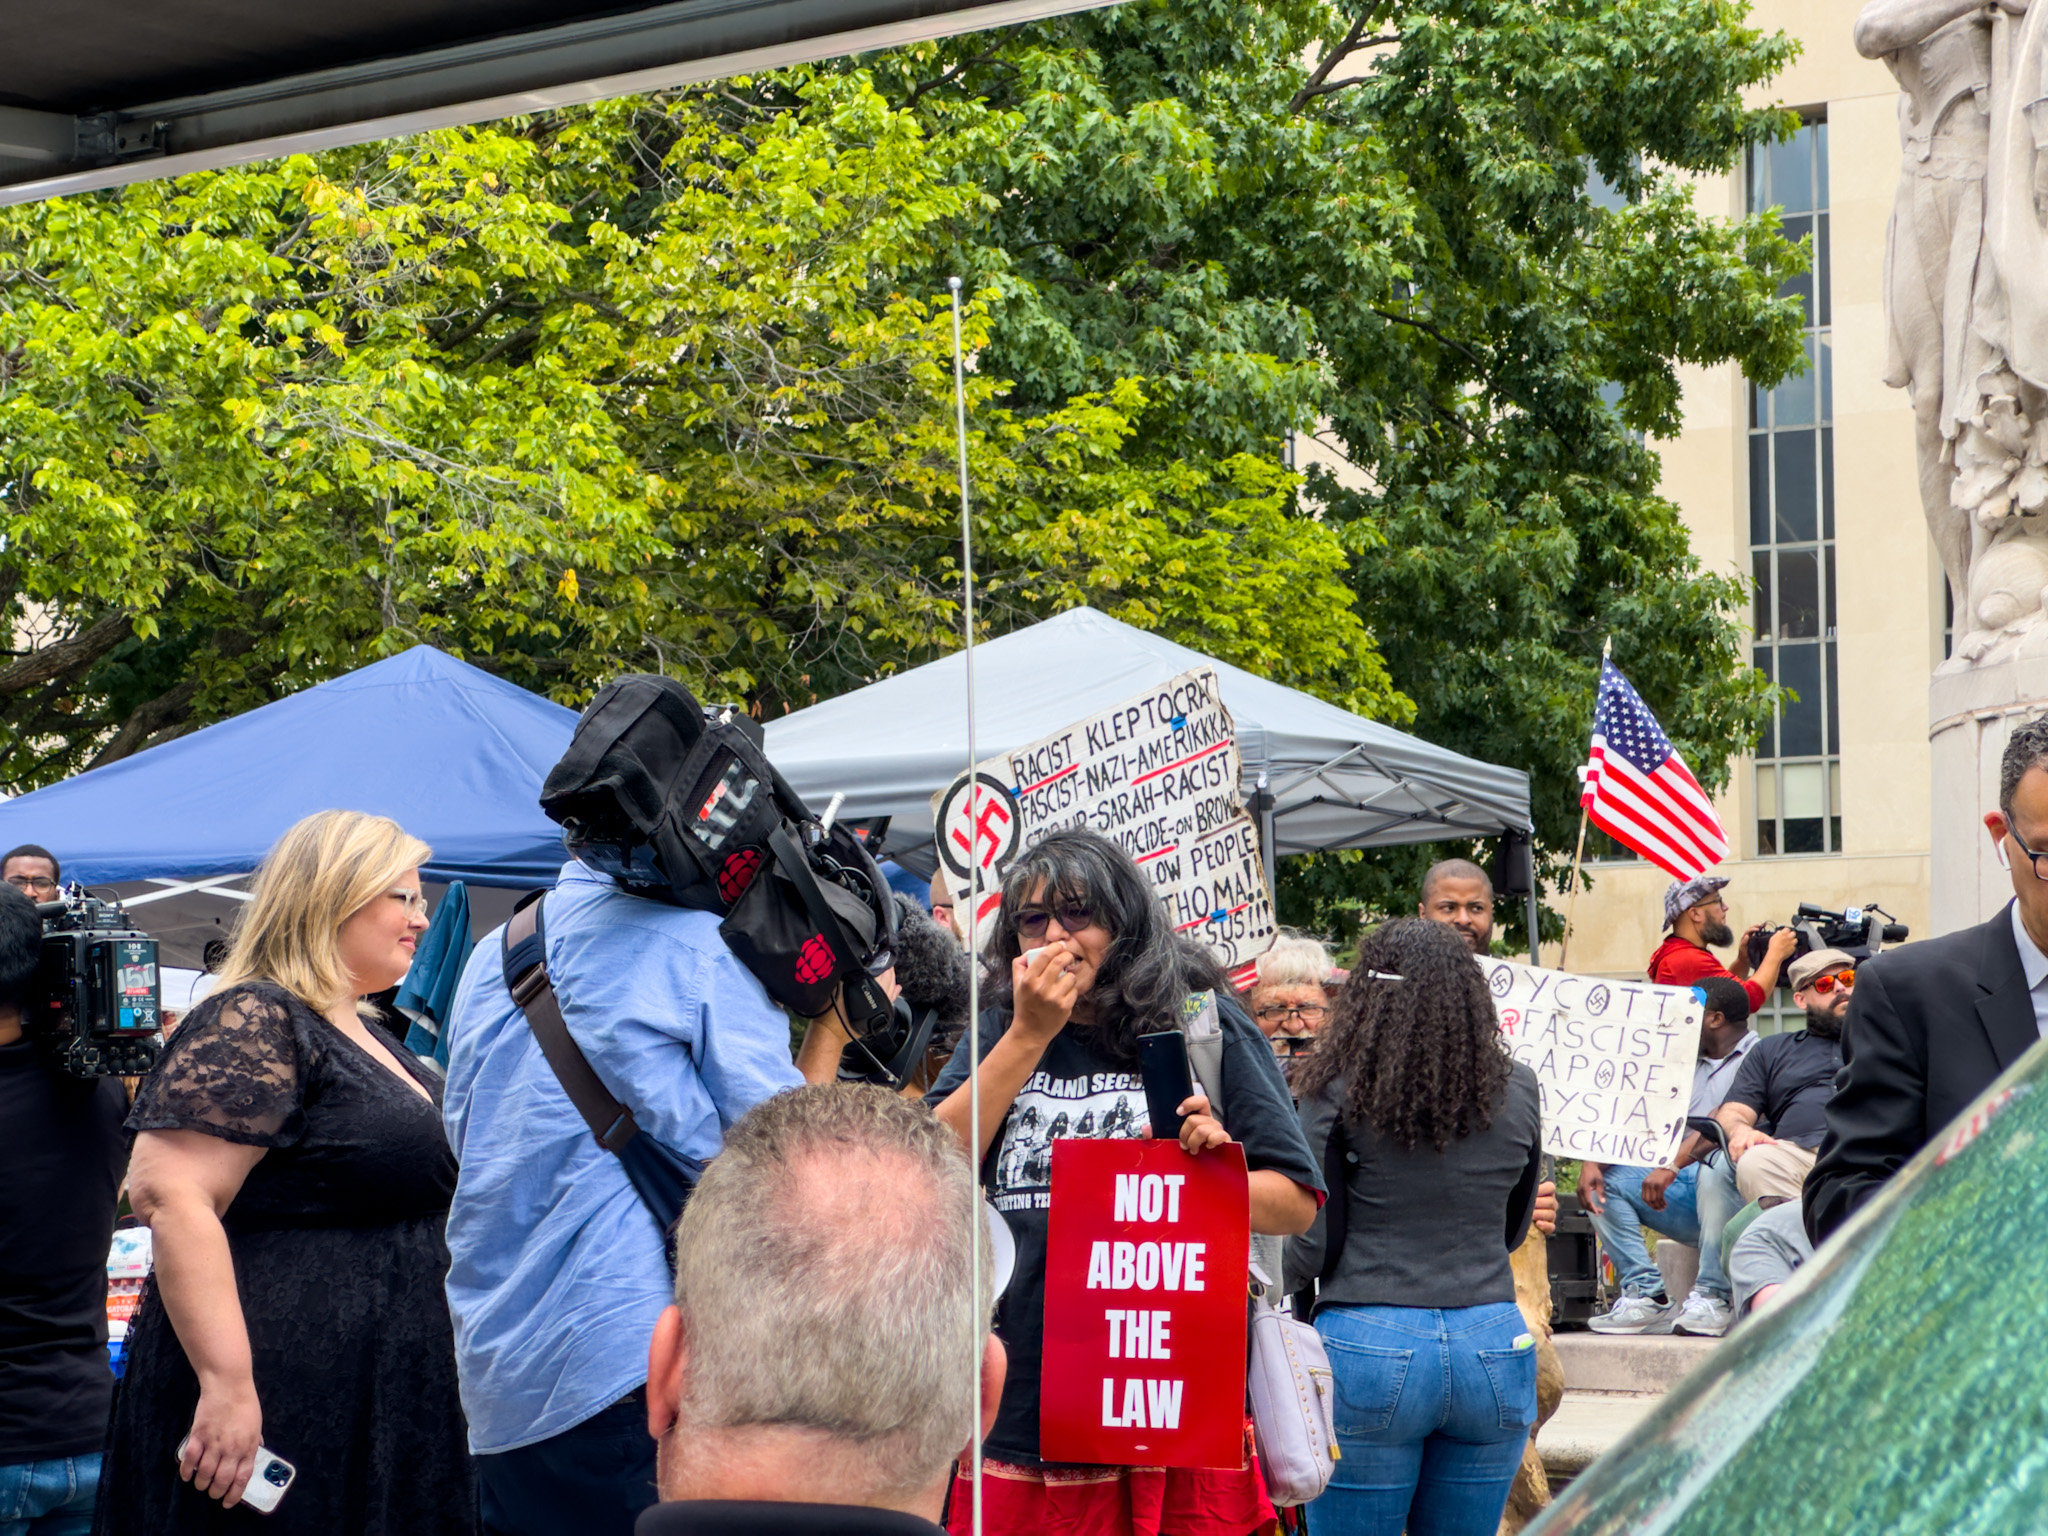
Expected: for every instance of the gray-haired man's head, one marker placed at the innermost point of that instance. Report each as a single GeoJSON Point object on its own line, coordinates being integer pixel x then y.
{"type": "Point", "coordinates": [827, 1322]}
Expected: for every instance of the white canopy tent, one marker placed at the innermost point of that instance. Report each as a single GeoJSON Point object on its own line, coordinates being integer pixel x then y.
{"type": "Point", "coordinates": [1336, 780]}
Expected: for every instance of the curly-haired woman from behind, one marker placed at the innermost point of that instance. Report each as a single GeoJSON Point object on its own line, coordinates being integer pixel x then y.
{"type": "Point", "coordinates": [1442, 1153]}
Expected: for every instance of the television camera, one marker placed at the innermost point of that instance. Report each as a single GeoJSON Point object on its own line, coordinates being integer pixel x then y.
{"type": "Point", "coordinates": [1856, 931]}
{"type": "Point", "coordinates": [95, 1007]}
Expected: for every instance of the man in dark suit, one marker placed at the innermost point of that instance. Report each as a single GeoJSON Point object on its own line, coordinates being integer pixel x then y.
{"type": "Point", "coordinates": [1932, 1024]}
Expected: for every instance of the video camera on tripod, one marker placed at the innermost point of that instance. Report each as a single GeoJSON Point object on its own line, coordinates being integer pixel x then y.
{"type": "Point", "coordinates": [1856, 931]}
{"type": "Point", "coordinates": [95, 1007]}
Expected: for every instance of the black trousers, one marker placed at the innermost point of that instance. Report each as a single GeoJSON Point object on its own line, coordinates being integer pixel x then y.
{"type": "Point", "coordinates": [593, 1479]}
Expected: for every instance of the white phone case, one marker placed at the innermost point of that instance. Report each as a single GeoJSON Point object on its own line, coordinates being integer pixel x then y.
{"type": "Point", "coordinates": [267, 1483]}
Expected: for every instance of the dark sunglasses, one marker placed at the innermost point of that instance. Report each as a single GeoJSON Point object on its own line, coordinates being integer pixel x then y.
{"type": "Point", "coordinates": [1073, 916]}
{"type": "Point", "coordinates": [1826, 984]}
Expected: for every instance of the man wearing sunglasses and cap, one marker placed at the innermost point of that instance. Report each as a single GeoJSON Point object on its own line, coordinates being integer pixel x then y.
{"type": "Point", "coordinates": [1776, 1113]}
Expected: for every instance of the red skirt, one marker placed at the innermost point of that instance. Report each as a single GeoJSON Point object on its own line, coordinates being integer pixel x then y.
{"type": "Point", "coordinates": [1113, 1501]}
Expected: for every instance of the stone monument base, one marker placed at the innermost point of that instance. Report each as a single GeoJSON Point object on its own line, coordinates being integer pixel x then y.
{"type": "Point", "coordinates": [1973, 708]}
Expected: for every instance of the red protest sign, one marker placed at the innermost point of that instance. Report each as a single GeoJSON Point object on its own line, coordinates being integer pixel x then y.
{"type": "Point", "coordinates": [1146, 1253]}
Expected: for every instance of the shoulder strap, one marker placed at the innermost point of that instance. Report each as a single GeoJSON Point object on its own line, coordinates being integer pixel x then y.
{"type": "Point", "coordinates": [526, 975]}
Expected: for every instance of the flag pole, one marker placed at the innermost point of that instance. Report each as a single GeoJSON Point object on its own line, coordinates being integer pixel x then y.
{"type": "Point", "coordinates": [1571, 903]}
{"type": "Point", "coordinates": [1571, 900]}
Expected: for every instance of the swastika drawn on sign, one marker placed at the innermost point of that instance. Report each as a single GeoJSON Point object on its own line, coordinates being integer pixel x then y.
{"type": "Point", "coordinates": [1158, 774]}
{"type": "Point", "coordinates": [982, 828]}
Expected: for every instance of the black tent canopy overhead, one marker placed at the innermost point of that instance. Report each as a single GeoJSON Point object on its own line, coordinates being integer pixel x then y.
{"type": "Point", "coordinates": [99, 93]}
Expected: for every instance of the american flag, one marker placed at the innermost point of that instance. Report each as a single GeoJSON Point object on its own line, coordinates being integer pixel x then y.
{"type": "Point", "coordinates": [1639, 792]}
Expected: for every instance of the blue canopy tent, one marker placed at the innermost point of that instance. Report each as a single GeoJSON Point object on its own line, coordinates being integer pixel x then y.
{"type": "Point", "coordinates": [451, 753]}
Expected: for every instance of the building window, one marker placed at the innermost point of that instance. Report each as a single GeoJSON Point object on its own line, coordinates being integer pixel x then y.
{"type": "Point", "coordinates": [1602, 849]}
{"type": "Point", "coordinates": [1792, 528]}
{"type": "Point", "coordinates": [1779, 1014]}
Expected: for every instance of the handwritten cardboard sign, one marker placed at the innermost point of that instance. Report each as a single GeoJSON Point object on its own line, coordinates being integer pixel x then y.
{"type": "Point", "coordinates": [1158, 774]}
{"type": "Point", "coordinates": [1147, 1251]}
{"type": "Point", "coordinates": [1614, 1059]}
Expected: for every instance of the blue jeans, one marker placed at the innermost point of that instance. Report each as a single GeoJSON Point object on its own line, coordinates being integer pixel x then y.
{"type": "Point", "coordinates": [1433, 1410]}
{"type": "Point", "coordinates": [594, 1478]}
{"type": "Point", "coordinates": [1696, 1207]}
{"type": "Point", "coordinates": [49, 1498]}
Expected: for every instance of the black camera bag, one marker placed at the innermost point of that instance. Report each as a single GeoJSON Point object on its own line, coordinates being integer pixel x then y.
{"type": "Point", "coordinates": [685, 807]}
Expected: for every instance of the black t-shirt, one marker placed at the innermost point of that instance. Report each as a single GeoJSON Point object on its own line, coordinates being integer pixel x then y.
{"type": "Point", "coordinates": [1788, 1080]}
{"type": "Point", "coordinates": [1080, 1091]}
{"type": "Point", "coordinates": [62, 1151]}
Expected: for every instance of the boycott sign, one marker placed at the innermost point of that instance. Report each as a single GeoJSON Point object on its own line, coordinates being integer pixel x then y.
{"type": "Point", "coordinates": [1158, 774]}
{"type": "Point", "coordinates": [1147, 1251]}
{"type": "Point", "coordinates": [1614, 1059]}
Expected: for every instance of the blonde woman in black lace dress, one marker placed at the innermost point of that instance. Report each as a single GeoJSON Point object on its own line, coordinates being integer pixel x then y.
{"type": "Point", "coordinates": [289, 1158]}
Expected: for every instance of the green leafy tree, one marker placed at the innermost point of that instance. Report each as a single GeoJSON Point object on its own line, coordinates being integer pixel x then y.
{"type": "Point", "coordinates": [656, 384]}
{"type": "Point", "coordinates": [1384, 223]}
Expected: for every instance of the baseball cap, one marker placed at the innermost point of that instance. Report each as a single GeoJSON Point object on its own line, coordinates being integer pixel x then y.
{"type": "Point", "coordinates": [1808, 966]}
{"type": "Point", "coordinates": [1683, 895]}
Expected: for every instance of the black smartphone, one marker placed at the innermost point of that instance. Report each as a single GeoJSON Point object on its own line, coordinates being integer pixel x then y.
{"type": "Point", "coordinates": [1169, 1081]}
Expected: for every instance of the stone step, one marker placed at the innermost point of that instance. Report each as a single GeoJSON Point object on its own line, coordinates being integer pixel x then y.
{"type": "Point", "coordinates": [1586, 1426]}
{"type": "Point", "coordinates": [1627, 1362]}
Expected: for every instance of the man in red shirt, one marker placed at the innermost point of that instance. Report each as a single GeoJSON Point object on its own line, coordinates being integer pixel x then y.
{"type": "Point", "coordinates": [1698, 918]}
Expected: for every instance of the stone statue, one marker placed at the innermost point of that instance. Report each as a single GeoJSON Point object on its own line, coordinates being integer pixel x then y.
{"type": "Point", "coordinates": [1966, 292]}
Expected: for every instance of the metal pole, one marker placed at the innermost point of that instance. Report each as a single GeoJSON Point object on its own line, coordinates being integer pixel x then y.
{"type": "Point", "coordinates": [1535, 915]}
{"type": "Point", "coordinates": [1263, 799]}
{"type": "Point", "coordinates": [973, 893]}
{"type": "Point", "coordinates": [1571, 902]}
{"type": "Point", "coordinates": [1578, 856]}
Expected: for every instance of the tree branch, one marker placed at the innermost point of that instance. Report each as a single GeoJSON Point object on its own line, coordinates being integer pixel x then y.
{"type": "Point", "coordinates": [1321, 72]}
{"type": "Point", "coordinates": [68, 657]}
{"type": "Point", "coordinates": [490, 313]}
{"type": "Point", "coordinates": [1331, 88]}
{"type": "Point", "coordinates": [1429, 330]}
{"type": "Point", "coordinates": [506, 343]}
{"type": "Point", "coordinates": [1353, 41]}
{"type": "Point", "coordinates": [951, 75]}
{"type": "Point", "coordinates": [166, 709]}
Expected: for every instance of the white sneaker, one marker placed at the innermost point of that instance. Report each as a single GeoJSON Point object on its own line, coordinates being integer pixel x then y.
{"type": "Point", "coordinates": [1635, 1314]}
{"type": "Point", "coordinates": [1703, 1316]}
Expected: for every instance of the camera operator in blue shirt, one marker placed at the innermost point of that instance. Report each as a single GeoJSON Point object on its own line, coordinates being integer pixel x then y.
{"type": "Point", "coordinates": [557, 1271]}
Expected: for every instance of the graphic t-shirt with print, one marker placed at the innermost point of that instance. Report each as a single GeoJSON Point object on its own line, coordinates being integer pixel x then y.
{"type": "Point", "coordinates": [1079, 1091]}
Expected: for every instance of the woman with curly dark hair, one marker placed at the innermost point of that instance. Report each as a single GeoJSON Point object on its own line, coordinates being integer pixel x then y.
{"type": "Point", "coordinates": [1441, 1145]}
{"type": "Point", "coordinates": [1086, 960]}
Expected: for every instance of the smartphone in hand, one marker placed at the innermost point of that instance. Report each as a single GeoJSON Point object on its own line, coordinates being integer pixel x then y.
{"type": "Point", "coordinates": [1169, 1080]}
{"type": "Point", "coordinates": [268, 1481]}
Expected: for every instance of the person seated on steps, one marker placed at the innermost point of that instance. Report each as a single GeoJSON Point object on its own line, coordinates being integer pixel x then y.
{"type": "Point", "coordinates": [1687, 1202]}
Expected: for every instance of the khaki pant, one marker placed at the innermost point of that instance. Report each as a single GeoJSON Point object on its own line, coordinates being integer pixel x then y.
{"type": "Point", "coordinates": [1773, 1168]}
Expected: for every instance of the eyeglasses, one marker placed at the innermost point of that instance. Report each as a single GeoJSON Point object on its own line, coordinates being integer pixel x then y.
{"type": "Point", "coordinates": [1308, 1013]}
{"type": "Point", "coordinates": [2032, 857]}
{"type": "Point", "coordinates": [32, 882]}
{"type": "Point", "coordinates": [1826, 984]}
{"type": "Point", "coordinates": [1073, 916]}
{"type": "Point", "coordinates": [414, 902]}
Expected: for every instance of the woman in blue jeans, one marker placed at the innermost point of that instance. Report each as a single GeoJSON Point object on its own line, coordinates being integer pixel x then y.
{"type": "Point", "coordinates": [1439, 1137]}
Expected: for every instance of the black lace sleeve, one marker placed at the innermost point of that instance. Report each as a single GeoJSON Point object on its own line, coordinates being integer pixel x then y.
{"type": "Point", "coordinates": [234, 1069]}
